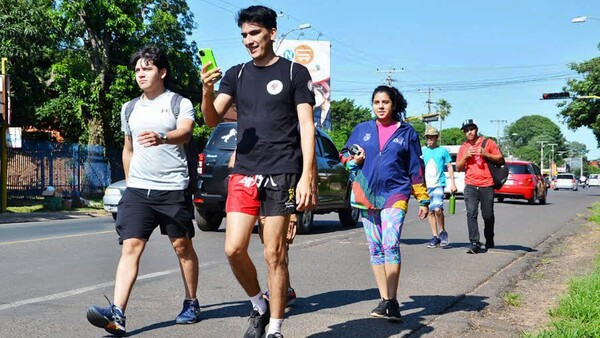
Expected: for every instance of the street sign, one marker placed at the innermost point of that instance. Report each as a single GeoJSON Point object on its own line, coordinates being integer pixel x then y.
{"type": "Point", "coordinates": [430, 118]}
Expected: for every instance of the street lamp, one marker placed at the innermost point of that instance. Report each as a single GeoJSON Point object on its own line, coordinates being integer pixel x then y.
{"type": "Point", "coordinates": [299, 28]}
{"type": "Point", "coordinates": [582, 19]}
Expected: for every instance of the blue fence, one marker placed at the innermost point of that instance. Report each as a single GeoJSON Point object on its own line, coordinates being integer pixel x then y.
{"type": "Point", "coordinates": [73, 169]}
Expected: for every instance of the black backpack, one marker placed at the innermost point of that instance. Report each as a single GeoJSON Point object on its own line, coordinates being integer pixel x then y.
{"type": "Point", "coordinates": [191, 149]}
{"type": "Point", "coordinates": [499, 171]}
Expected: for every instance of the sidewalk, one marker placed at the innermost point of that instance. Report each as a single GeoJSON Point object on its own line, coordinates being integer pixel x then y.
{"type": "Point", "coordinates": [22, 217]}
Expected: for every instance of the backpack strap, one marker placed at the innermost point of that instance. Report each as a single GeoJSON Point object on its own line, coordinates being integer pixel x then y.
{"type": "Point", "coordinates": [241, 68]}
{"type": "Point", "coordinates": [176, 104]}
{"type": "Point", "coordinates": [291, 69]}
{"type": "Point", "coordinates": [129, 106]}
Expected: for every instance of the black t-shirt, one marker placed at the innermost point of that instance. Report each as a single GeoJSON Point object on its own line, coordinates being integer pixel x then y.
{"type": "Point", "coordinates": [268, 139]}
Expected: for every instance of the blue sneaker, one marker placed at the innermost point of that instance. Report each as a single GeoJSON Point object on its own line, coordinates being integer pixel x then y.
{"type": "Point", "coordinates": [190, 313]}
{"type": "Point", "coordinates": [434, 242]}
{"type": "Point", "coordinates": [109, 318]}
{"type": "Point", "coordinates": [291, 296]}
{"type": "Point", "coordinates": [444, 239]}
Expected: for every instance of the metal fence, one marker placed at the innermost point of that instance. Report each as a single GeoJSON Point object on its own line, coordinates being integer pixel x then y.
{"type": "Point", "coordinates": [72, 169]}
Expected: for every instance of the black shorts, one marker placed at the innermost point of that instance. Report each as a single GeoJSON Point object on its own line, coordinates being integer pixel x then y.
{"type": "Point", "coordinates": [140, 211]}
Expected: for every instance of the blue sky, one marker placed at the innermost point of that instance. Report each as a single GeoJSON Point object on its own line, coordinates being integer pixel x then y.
{"type": "Point", "coordinates": [492, 60]}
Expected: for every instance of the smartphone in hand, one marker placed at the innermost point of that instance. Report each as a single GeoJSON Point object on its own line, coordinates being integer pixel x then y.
{"type": "Point", "coordinates": [206, 56]}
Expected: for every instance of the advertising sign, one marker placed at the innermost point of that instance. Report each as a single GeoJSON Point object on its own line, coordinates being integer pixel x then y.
{"type": "Point", "coordinates": [314, 55]}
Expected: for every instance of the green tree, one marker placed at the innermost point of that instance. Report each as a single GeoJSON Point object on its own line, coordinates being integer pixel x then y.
{"type": "Point", "coordinates": [91, 78]}
{"type": "Point", "coordinates": [345, 115]}
{"type": "Point", "coordinates": [28, 39]}
{"type": "Point", "coordinates": [453, 136]}
{"type": "Point", "coordinates": [443, 109]}
{"type": "Point", "coordinates": [576, 149]}
{"type": "Point", "coordinates": [581, 112]}
{"type": "Point", "coordinates": [524, 137]}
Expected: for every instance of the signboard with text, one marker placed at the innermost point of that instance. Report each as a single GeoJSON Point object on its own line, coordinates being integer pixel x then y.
{"type": "Point", "coordinates": [314, 55]}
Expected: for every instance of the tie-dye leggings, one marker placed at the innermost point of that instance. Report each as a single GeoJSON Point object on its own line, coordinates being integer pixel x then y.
{"type": "Point", "coordinates": [383, 229]}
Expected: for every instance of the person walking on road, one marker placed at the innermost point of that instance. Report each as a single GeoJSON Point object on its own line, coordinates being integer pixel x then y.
{"type": "Point", "coordinates": [385, 154]}
{"type": "Point", "coordinates": [435, 158]}
{"type": "Point", "coordinates": [157, 175]}
{"type": "Point", "coordinates": [479, 185]}
{"type": "Point", "coordinates": [274, 160]}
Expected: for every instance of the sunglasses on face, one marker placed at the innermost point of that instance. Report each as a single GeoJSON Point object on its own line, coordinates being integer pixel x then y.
{"type": "Point", "coordinates": [466, 130]}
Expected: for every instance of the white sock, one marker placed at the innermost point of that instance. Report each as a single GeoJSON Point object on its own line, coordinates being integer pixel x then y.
{"type": "Point", "coordinates": [259, 303]}
{"type": "Point", "coordinates": [274, 325]}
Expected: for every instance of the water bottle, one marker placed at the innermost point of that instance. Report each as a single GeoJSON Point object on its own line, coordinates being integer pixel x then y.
{"type": "Point", "coordinates": [452, 205]}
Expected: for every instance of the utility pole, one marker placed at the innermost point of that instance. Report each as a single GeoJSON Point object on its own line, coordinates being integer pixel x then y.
{"type": "Point", "coordinates": [389, 74]}
{"type": "Point", "coordinates": [551, 163]}
{"type": "Point", "coordinates": [3, 150]}
{"type": "Point", "coordinates": [542, 154]}
{"type": "Point", "coordinates": [429, 102]}
{"type": "Point", "coordinates": [498, 128]}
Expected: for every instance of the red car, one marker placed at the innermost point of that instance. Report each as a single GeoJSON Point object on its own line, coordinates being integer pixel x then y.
{"type": "Point", "coordinates": [525, 181]}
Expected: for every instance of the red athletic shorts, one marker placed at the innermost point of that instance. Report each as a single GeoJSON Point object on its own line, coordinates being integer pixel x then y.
{"type": "Point", "coordinates": [265, 195]}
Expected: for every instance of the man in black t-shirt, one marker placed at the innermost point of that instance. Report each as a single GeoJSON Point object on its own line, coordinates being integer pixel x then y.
{"type": "Point", "coordinates": [275, 154]}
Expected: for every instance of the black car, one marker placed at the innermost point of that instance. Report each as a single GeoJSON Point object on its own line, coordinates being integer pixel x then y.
{"type": "Point", "coordinates": [213, 177]}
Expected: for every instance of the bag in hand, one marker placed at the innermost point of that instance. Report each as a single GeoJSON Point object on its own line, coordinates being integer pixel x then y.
{"type": "Point", "coordinates": [499, 171]}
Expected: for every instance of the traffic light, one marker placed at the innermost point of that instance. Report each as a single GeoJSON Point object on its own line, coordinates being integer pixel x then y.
{"type": "Point", "coordinates": [556, 96]}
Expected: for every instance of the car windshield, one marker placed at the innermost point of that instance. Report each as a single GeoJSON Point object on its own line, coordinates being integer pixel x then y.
{"type": "Point", "coordinates": [223, 138]}
{"type": "Point", "coordinates": [517, 169]}
{"type": "Point", "coordinates": [564, 177]}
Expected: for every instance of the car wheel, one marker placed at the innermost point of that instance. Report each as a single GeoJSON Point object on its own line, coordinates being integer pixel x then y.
{"type": "Point", "coordinates": [543, 200]}
{"type": "Point", "coordinates": [114, 215]}
{"type": "Point", "coordinates": [348, 217]}
{"type": "Point", "coordinates": [305, 222]}
{"type": "Point", "coordinates": [500, 199]}
{"type": "Point", "coordinates": [208, 221]}
{"type": "Point", "coordinates": [532, 199]}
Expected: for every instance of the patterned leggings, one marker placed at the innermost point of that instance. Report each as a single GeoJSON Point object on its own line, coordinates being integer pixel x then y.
{"type": "Point", "coordinates": [383, 229]}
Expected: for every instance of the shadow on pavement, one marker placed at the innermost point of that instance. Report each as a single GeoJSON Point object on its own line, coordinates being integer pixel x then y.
{"type": "Point", "coordinates": [412, 322]}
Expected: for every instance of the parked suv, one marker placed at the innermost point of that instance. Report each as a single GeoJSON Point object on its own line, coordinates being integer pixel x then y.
{"type": "Point", "coordinates": [525, 181]}
{"type": "Point", "coordinates": [213, 177]}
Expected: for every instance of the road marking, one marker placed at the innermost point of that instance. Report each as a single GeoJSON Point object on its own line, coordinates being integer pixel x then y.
{"type": "Point", "coordinates": [57, 237]}
{"type": "Point", "coordinates": [79, 291]}
{"type": "Point", "coordinates": [142, 277]}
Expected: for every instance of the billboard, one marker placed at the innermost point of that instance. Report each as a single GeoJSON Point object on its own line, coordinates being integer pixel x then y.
{"type": "Point", "coordinates": [314, 55]}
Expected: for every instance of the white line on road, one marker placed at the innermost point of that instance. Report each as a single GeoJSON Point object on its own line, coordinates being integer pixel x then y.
{"type": "Point", "coordinates": [57, 237]}
{"type": "Point", "coordinates": [79, 291]}
{"type": "Point", "coordinates": [142, 277]}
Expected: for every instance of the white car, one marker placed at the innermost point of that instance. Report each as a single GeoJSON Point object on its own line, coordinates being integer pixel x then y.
{"type": "Point", "coordinates": [565, 181]}
{"type": "Point", "coordinates": [112, 196]}
{"type": "Point", "coordinates": [593, 180]}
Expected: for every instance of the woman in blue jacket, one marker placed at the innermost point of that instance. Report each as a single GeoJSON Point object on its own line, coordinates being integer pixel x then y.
{"type": "Point", "coordinates": [385, 155]}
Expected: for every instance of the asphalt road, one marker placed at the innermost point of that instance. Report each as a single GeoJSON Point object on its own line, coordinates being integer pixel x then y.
{"type": "Point", "coordinates": [52, 271]}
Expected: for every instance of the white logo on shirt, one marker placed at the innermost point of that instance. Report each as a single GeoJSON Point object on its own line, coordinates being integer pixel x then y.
{"type": "Point", "coordinates": [367, 137]}
{"type": "Point", "coordinates": [398, 140]}
{"type": "Point", "coordinates": [274, 87]}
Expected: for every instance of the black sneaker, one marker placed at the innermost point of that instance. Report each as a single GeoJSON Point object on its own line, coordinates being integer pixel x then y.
{"type": "Point", "coordinates": [393, 311]}
{"type": "Point", "coordinates": [474, 249]}
{"type": "Point", "coordinates": [381, 310]}
{"type": "Point", "coordinates": [258, 323]}
{"type": "Point", "coordinates": [275, 335]}
{"type": "Point", "coordinates": [490, 244]}
{"type": "Point", "coordinates": [109, 318]}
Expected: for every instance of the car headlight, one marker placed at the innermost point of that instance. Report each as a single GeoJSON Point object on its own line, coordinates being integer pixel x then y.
{"type": "Point", "coordinates": [112, 191]}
